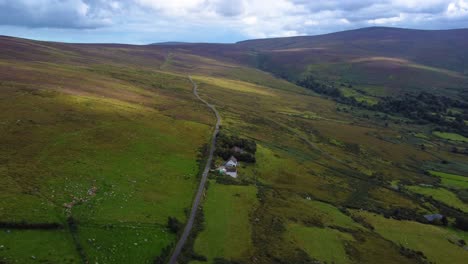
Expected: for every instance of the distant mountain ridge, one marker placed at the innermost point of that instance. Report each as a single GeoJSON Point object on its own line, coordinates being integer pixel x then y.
{"type": "Point", "coordinates": [394, 59]}
{"type": "Point", "coordinates": [171, 43]}
{"type": "Point", "coordinates": [376, 33]}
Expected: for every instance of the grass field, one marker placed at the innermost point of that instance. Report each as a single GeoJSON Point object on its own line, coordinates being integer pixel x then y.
{"type": "Point", "coordinates": [294, 158]}
{"type": "Point", "coordinates": [102, 134]}
{"type": "Point", "coordinates": [330, 216]}
{"type": "Point", "coordinates": [442, 195]}
{"type": "Point", "coordinates": [431, 240]}
{"type": "Point", "coordinates": [124, 243]}
{"type": "Point", "coordinates": [451, 136]}
{"type": "Point", "coordinates": [35, 246]}
{"type": "Point", "coordinates": [451, 180]}
{"type": "Point", "coordinates": [227, 232]}
{"type": "Point", "coordinates": [136, 148]}
{"type": "Point", "coordinates": [349, 92]}
{"type": "Point", "coordinates": [324, 244]}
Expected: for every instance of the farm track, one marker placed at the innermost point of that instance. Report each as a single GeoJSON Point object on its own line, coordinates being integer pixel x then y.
{"type": "Point", "coordinates": [201, 187]}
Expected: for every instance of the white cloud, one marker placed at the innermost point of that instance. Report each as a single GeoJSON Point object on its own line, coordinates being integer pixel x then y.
{"type": "Point", "coordinates": [387, 20]}
{"type": "Point", "coordinates": [457, 9]}
{"type": "Point", "coordinates": [172, 7]}
{"type": "Point", "coordinates": [53, 13]}
{"type": "Point", "coordinates": [248, 18]}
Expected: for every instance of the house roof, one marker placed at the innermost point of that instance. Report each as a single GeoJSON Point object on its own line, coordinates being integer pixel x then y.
{"type": "Point", "coordinates": [433, 217]}
{"type": "Point", "coordinates": [232, 158]}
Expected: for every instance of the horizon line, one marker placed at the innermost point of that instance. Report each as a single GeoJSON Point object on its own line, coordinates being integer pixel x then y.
{"type": "Point", "coordinates": [181, 43]}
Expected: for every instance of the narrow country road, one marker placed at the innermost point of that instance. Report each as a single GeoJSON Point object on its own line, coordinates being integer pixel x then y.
{"type": "Point", "coordinates": [201, 187]}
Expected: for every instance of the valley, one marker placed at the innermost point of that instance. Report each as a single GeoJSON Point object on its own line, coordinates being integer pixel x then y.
{"type": "Point", "coordinates": [358, 136]}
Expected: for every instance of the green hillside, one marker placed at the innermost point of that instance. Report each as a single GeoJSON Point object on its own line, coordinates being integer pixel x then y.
{"type": "Point", "coordinates": [101, 144]}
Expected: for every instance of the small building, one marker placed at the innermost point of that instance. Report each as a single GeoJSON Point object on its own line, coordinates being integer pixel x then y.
{"type": "Point", "coordinates": [229, 168]}
{"type": "Point", "coordinates": [231, 163]}
{"type": "Point", "coordinates": [434, 217]}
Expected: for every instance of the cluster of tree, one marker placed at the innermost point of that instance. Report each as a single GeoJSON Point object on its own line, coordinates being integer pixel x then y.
{"type": "Point", "coordinates": [309, 82]}
{"type": "Point", "coordinates": [423, 107]}
{"type": "Point", "coordinates": [225, 145]}
{"type": "Point", "coordinates": [426, 107]}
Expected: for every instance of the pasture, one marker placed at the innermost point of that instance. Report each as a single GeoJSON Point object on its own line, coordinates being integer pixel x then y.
{"type": "Point", "coordinates": [227, 232]}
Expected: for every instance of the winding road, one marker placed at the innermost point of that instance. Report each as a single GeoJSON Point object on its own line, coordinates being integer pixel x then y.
{"type": "Point", "coordinates": [201, 187]}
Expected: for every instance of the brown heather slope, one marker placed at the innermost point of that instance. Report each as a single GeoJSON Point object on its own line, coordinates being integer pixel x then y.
{"type": "Point", "coordinates": [397, 60]}
{"type": "Point", "coordinates": [437, 48]}
{"type": "Point", "coordinates": [390, 59]}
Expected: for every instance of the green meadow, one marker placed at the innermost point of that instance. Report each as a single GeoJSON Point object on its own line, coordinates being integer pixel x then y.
{"type": "Point", "coordinates": [323, 244]}
{"type": "Point", "coordinates": [123, 243]}
{"type": "Point", "coordinates": [451, 136]}
{"type": "Point", "coordinates": [117, 167]}
{"type": "Point", "coordinates": [349, 92]}
{"type": "Point", "coordinates": [35, 246]}
{"type": "Point", "coordinates": [440, 194]}
{"type": "Point", "coordinates": [433, 241]}
{"type": "Point", "coordinates": [451, 180]}
{"type": "Point", "coordinates": [227, 232]}
{"type": "Point", "coordinates": [104, 143]}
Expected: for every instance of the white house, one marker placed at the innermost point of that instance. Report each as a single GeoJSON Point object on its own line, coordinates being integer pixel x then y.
{"type": "Point", "coordinates": [231, 163]}
{"type": "Point", "coordinates": [229, 168]}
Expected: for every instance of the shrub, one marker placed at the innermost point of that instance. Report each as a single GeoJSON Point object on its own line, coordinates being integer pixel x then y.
{"type": "Point", "coordinates": [165, 254]}
{"type": "Point", "coordinates": [174, 225]}
{"type": "Point", "coordinates": [461, 223]}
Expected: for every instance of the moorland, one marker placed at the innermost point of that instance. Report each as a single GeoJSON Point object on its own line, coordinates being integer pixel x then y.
{"type": "Point", "coordinates": [353, 139]}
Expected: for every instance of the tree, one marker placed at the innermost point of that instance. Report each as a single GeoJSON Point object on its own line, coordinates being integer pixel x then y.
{"type": "Point", "coordinates": [461, 223]}
{"type": "Point", "coordinates": [174, 225]}
{"type": "Point", "coordinates": [444, 221]}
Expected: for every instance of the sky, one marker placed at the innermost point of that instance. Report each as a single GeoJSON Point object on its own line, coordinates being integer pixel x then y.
{"type": "Point", "coordinates": [222, 21]}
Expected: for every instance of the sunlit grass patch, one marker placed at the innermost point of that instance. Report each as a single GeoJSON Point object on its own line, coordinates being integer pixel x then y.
{"type": "Point", "coordinates": [348, 92]}
{"type": "Point", "coordinates": [336, 142]}
{"type": "Point", "coordinates": [421, 135]}
{"type": "Point", "coordinates": [451, 180]}
{"type": "Point", "coordinates": [442, 195]}
{"type": "Point", "coordinates": [306, 115]}
{"type": "Point", "coordinates": [237, 86]}
{"type": "Point", "coordinates": [330, 216]}
{"type": "Point", "coordinates": [431, 240]}
{"type": "Point", "coordinates": [451, 136]}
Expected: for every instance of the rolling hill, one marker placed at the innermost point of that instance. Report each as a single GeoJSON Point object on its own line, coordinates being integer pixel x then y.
{"type": "Point", "coordinates": [358, 136]}
{"type": "Point", "coordinates": [397, 59]}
